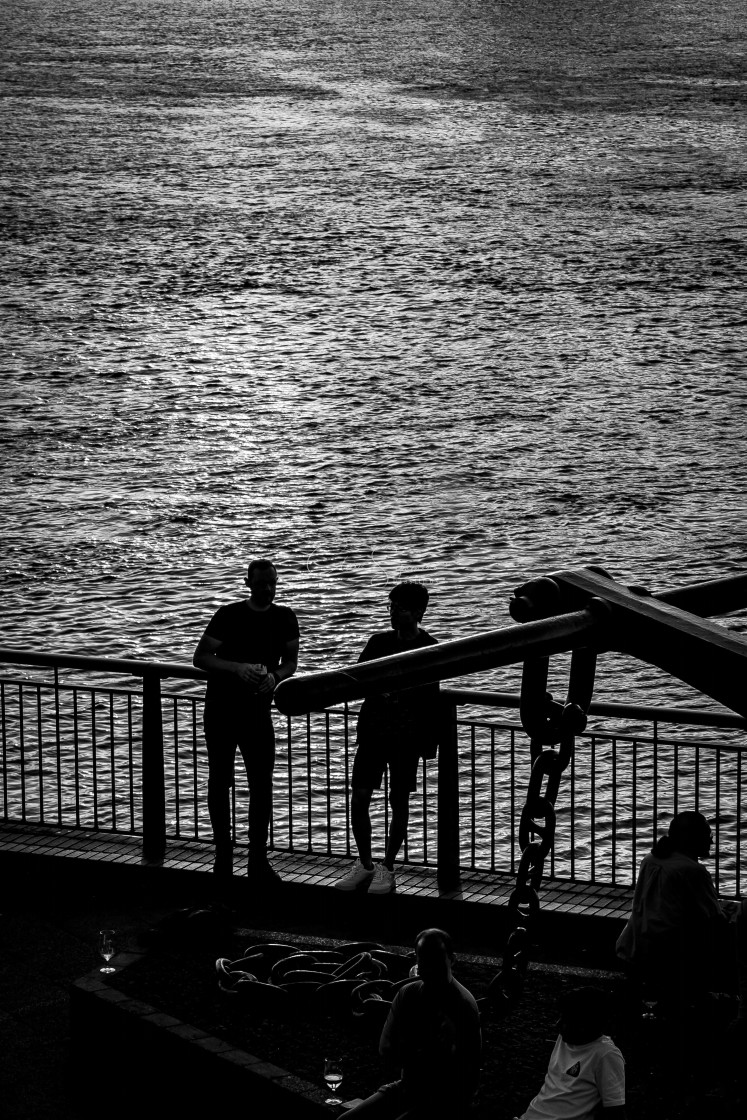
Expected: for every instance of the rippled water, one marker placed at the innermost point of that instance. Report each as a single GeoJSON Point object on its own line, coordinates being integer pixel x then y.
{"type": "Point", "coordinates": [446, 290]}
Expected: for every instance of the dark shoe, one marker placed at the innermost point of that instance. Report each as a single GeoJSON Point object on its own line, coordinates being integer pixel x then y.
{"type": "Point", "coordinates": [261, 873]}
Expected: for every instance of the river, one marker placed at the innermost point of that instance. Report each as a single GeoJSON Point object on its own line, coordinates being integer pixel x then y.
{"type": "Point", "coordinates": [445, 291]}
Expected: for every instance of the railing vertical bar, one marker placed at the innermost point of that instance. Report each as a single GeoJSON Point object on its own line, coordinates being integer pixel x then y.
{"type": "Point", "coordinates": [58, 743]}
{"type": "Point", "coordinates": [593, 844]}
{"type": "Point", "coordinates": [309, 842]}
{"type": "Point", "coordinates": [112, 756]}
{"type": "Point", "coordinates": [676, 754]}
{"type": "Point", "coordinates": [424, 807]}
{"type": "Point", "coordinates": [94, 760]}
{"type": "Point", "coordinates": [154, 802]}
{"type": "Point", "coordinates": [655, 773]}
{"type": "Point", "coordinates": [40, 752]}
{"type": "Point", "coordinates": [5, 751]}
{"type": "Point", "coordinates": [697, 777]}
{"type": "Point", "coordinates": [76, 756]}
{"type": "Point", "coordinates": [386, 806]}
{"type": "Point", "coordinates": [195, 787]}
{"type": "Point", "coordinates": [131, 762]}
{"type": "Point", "coordinates": [290, 785]}
{"type": "Point", "coordinates": [448, 801]}
{"type": "Point", "coordinates": [22, 746]}
{"type": "Point", "coordinates": [634, 816]}
{"type": "Point", "coordinates": [740, 888]}
{"type": "Point", "coordinates": [328, 772]}
{"type": "Point", "coordinates": [177, 779]}
{"type": "Point", "coordinates": [347, 779]}
{"type": "Point", "coordinates": [573, 815]}
{"type": "Point", "coordinates": [492, 798]}
{"type": "Point", "coordinates": [717, 860]}
{"type": "Point", "coordinates": [512, 835]}
{"type": "Point", "coordinates": [614, 804]}
{"type": "Point", "coordinates": [473, 789]}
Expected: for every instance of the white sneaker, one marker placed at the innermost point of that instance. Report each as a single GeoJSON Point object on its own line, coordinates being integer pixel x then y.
{"type": "Point", "coordinates": [356, 877]}
{"type": "Point", "coordinates": [383, 881]}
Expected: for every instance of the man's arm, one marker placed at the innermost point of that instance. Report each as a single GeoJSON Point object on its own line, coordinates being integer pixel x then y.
{"type": "Point", "coordinates": [389, 1043]}
{"type": "Point", "coordinates": [206, 657]}
{"type": "Point", "coordinates": [287, 667]}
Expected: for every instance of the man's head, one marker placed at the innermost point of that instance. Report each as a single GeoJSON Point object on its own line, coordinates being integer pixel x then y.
{"type": "Point", "coordinates": [435, 955]}
{"type": "Point", "coordinates": [690, 832]}
{"type": "Point", "coordinates": [584, 1015]}
{"type": "Point", "coordinates": [261, 579]}
{"type": "Point", "coordinates": [408, 599]}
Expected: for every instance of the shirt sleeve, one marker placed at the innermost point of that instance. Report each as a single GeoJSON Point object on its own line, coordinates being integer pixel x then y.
{"type": "Point", "coordinates": [611, 1079]}
{"type": "Point", "coordinates": [389, 1043]}
{"type": "Point", "coordinates": [370, 650]}
{"type": "Point", "coordinates": [706, 896]}
{"type": "Point", "coordinates": [217, 626]}
{"type": "Point", "coordinates": [291, 629]}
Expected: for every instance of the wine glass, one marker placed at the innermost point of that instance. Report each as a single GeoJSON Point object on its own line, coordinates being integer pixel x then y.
{"type": "Point", "coordinates": [106, 948]}
{"type": "Point", "coordinates": [649, 1010]}
{"type": "Point", "coordinates": [333, 1078]}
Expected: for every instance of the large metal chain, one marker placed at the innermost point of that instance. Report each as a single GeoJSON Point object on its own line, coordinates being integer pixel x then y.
{"type": "Point", "coordinates": [546, 723]}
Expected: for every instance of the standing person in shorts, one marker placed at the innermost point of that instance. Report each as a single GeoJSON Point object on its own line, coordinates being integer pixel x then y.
{"type": "Point", "coordinates": [247, 649]}
{"type": "Point", "coordinates": [395, 731]}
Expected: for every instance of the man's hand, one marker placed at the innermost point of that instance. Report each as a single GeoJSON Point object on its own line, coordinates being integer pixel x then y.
{"type": "Point", "coordinates": [248, 673]}
{"type": "Point", "coordinates": [267, 684]}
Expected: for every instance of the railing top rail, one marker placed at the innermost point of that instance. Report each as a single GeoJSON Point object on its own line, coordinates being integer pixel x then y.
{"type": "Point", "coordinates": [598, 708]}
{"type": "Point", "coordinates": [460, 696]}
{"type": "Point", "coordinates": [89, 664]}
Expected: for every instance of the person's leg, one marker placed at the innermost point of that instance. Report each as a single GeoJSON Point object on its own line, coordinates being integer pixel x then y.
{"type": "Point", "coordinates": [400, 806]}
{"type": "Point", "coordinates": [368, 771]}
{"type": "Point", "coordinates": [403, 780]}
{"type": "Point", "coordinates": [360, 820]}
{"type": "Point", "coordinates": [257, 745]}
{"type": "Point", "coordinates": [220, 740]}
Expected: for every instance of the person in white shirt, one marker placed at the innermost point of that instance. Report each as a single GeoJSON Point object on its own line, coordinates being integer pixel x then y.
{"type": "Point", "coordinates": [585, 1078]}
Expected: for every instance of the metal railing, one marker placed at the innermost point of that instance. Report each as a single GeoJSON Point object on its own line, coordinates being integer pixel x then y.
{"type": "Point", "coordinates": [127, 758]}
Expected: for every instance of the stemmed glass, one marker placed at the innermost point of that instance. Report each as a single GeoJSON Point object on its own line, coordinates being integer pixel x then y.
{"type": "Point", "coordinates": [649, 1010]}
{"type": "Point", "coordinates": [333, 1078]}
{"type": "Point", "coordinates": [106, 948]}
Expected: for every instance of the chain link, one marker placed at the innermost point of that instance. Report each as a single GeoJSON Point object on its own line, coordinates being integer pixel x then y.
{"type": "Point", "coordinates": [546, 723]}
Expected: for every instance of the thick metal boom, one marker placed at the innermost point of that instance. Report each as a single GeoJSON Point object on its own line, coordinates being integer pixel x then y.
{"type": "Point", "coordinates": [568, 610]}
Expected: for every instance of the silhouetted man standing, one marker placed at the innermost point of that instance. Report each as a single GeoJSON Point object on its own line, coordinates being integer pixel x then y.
{"type": "Point", "coordinates": [248, 647]}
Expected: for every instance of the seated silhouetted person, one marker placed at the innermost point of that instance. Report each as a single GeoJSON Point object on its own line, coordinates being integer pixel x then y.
{"type": "Point", "coordinates": [432, 1036]}
{"type": "Point", "coordinates": [681, 939]}
{"type": "Point", "coordinates": [586, 1073]}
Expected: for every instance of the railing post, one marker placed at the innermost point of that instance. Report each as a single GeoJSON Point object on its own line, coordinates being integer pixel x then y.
{"type": "Point", "coordinates": [154, 796]}
{"type": "Point", "coordinates": [448, 801]}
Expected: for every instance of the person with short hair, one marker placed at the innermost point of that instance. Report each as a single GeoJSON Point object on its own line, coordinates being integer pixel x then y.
{"type": "Point", "coordinates": [432, 1036]}
{"type": "Point", "coordinates": [681, 937]}
{"type": "Point", "coordinates": [586, 1071]}
{"type": "Point", "coordinates": [247, 648]}
{"type": "Point", "coordinates": [394, 731]}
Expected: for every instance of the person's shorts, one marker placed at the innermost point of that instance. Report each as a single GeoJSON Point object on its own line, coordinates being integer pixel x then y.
{"type": "Point", "coordinates": [371, 761]}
